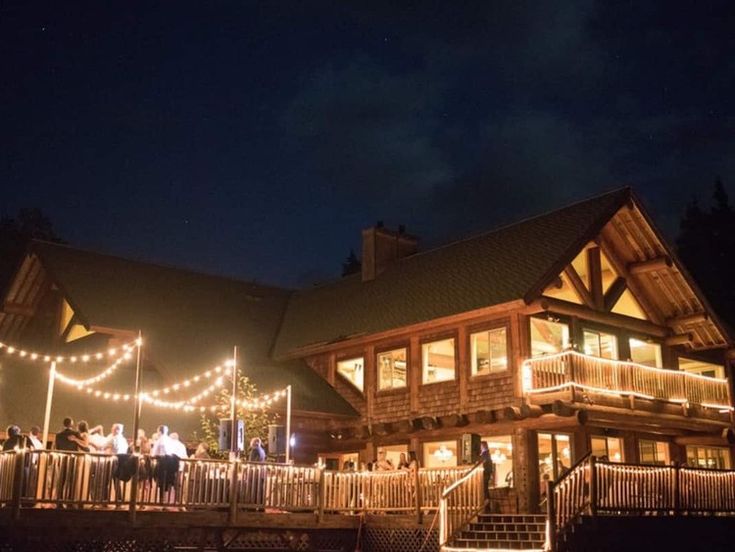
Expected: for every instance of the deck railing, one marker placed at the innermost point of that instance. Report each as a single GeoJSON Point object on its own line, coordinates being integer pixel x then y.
{"type": "Point", "coordinates": [593, 487]}
{"type": "Point", "coordinates": [460, 502]}
{"type": "Point", "coordinates": [84, 480]}
{"type": "Point", "coordinates": [573, 370]}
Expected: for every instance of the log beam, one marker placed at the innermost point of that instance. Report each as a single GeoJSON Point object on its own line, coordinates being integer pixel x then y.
{"type": "Point", "coordinates": [17, 308]}
{"type": "Point", "coordinates": [565, 410]}
{"type": "Point", "coordinates": [679, 339]}
{"type": "Point", "coordinates": [579, 286]}
{"type": "Point", "coordinates": [426, 422]}
{"type": "Point", "coordinates": [531, 410]}
{"type": "Point", "coordinates": [687, 319]}
{"type": "Point", "coordinates": [595, 269]}
{"type": "Point", "coordinates": [725, 438]}
{"type": "Point", "coordinates": [612, 295]}
{"type": "Point", "coordinates": [650, 265]}
{"type": "Point", "coordinates": [607, 318]}
{"type": "Point", "coordinates": [512, 413]}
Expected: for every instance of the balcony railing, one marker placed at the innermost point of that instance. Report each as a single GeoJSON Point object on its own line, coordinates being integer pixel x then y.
{"type": "Point", "coordinates": [572, 370]}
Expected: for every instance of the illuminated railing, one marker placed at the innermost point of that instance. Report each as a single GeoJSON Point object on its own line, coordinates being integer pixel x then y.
{"type": "Point", "coordinates": [460, 502]}
{"type": "Point", "coordinates": [31, 478]}
{"type": "Point", "coordinates": [572, 370]}
{"type": "Point", "coordinates": [593, 487]}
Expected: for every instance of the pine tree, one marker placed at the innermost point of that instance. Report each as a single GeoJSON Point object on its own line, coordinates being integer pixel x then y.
{"type": "Point", "coordinates": [352, 264]}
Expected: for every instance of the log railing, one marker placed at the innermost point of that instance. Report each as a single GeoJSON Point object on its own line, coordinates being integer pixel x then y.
{"type": "Point", "coordinates": [83, 480]}
{"type": "Point", "coordinates": [593, 487]}
{"type": "Point", "coordinates": [572, 370]}
{"type": "Point", "coordinates": [460, 502]}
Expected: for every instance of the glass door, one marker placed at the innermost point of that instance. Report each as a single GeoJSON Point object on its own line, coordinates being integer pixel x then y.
{"type": "Point", "coordinates": [554, 456]}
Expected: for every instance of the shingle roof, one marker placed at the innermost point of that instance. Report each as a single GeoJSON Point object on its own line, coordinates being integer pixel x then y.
{"type": "Point", "coordinates": [492, 268]}
{"type": "Point", "coordinates": [190, 321]}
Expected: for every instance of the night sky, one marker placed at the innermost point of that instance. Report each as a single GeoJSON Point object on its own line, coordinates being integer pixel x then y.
{"type": "Point", "coordinates": [256, 139]}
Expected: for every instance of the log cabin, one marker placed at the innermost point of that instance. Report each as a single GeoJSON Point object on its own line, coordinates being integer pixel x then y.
{"type": "Point", "coordinates": [571, 332]}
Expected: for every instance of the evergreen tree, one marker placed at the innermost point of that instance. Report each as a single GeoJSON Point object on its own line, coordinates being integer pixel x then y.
{"type": "Point", "coordinates": [706, 245]}
{"type": "Point", "coordinates": [352, 264]}
{"type": "Point", "coordinates": [15, 233]}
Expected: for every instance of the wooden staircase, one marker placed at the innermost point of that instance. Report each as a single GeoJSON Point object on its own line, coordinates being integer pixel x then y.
{"type": "Point", "coordinates": [501, 532]}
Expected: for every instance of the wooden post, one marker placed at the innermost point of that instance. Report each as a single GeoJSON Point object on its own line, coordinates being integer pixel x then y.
{"type": "Point", "coordinates": [133, 505]}
{"type": "Point", "coordinates": [417, 486]}
{"type": "Point", "coordinates": [322, 494]}
{"type": "Point", "coordinates": [234, 462]}
{"type": "Point", "coordinates": [677, 487]}
{"type": "Point", "coordinates": [138, 402]}
{"type": "Point", "coordinates": [288, 423]}
{"type": "Point", "coordinates": [234, 465]}
{"type": "Point", "coordinates": [593, 486]}
{"type": "Point", "coordinates": [551, 515]}
{"type": "Point", "coordinates": [20, 458]}
{"type": "Point", "coordinates": [49, 400]}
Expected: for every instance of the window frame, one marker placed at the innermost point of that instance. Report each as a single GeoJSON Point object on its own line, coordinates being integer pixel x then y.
{"type": "Point", "coordinates": [471, 331]}
{"type": "Point", "coordinates": [428, 340]}
{"type": "Point", "coordinates": [558, 319]}
{"type": "Point", "coordinates": [346, 358]}
{"type": "Point", "coordinates": [388, 349]}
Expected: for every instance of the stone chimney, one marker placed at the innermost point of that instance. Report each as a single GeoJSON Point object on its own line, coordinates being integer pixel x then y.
{"type": "Point", "coordinates": [381, 246]}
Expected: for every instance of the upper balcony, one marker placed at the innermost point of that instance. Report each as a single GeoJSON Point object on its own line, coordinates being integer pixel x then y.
{"type": "Point", "coordinates": [598, 381]}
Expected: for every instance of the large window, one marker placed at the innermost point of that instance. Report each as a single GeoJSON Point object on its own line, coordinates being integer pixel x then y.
{"type": "Point", "coordinates": [646, 353]}
{"type": "Point", "coordinates": [708, 457]}
{"type": "Point", "coordinates": [393, 453]}
{"type": "Point", "coordinates": [548, 336]}
{"type": "Point", "coordinates": [653, 452]}
{"type": "Point", "coordinates": [440, 454]}
{"type": "Point", "coordinates": [352, 370]}
{"type": "Point", "coordinates": [438, 359]}
{"type": "Point", "coordinates": [600, 344]}
{"type": "Point", "coordinates": [501, 453]}
{"type": "Point", "coordinates": [489, 351]}
{"type": "Point", "coordinates": [392, 369]}
{"type": "Point", "coordinates": [702, 368]}
{"type": "Point", "coordinates": [609, 448]}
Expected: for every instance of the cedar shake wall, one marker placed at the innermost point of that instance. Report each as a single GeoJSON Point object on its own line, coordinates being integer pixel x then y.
{"type": "Point", "coordinates": [489, 392]}
{"type": "Point", "coordinates": [391, 406]}
{"type": "Point", "coordinates": [439, 399]}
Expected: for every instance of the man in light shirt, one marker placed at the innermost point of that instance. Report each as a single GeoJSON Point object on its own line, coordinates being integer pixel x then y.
{"type": "Point", "coordinates": [179, 448]}
{"type": "Point", "coordinates": [164, 445]}
{"type": "Point", "coordinates": [167, 465]}
{"type": "Point", "coordinates": [116, 442]}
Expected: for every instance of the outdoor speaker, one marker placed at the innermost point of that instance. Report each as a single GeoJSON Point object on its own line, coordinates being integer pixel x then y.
{"type": "Point", "coordinates": [470, 448]}
{"type": "Point", "coordinates": [276, 440]}
{"type": "Point", "coordinates": [225, 434]}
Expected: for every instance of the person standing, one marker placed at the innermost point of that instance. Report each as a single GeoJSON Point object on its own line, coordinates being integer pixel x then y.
{"type": "Point", "coordinates": [488, 469]}
{"type": "Point", "coordinates": [34, 438]}
{"type": "Point", "coordinates": [15, 439]}
{"type": "Point", "coordinates": [64, 464]}
{"type": "Point", "coordinates": [179, 448]}
{"type": "Point", "coordinates": [167, 465]}
{"type": "Point", "coordinates": [257, 454]}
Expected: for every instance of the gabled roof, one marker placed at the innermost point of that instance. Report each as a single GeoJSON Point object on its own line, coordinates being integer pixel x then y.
{"type": "Point", "coordinates": [190, 321]}
{"type": "Point", "coordinates": [502, 265]}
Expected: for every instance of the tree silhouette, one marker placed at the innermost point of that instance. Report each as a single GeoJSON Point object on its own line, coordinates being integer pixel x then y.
{"type": "Point", "coordinates": [352, 264]}
{"type": "Point", "coordinates": [706, 245]}
{"type": "Point", "coordinates": [15, 234]}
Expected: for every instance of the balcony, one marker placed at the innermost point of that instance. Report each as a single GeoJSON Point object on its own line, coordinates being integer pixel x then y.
{"type": "Point", "coordinates": [553, 376]}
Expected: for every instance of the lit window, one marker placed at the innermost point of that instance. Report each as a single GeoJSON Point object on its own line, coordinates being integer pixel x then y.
{"type": "Point", "coordinates": [646, 353]}
{"type": "Point", "coordinates": [653, 452]}
{"type": "Point", "coordinates": [395, 454]}
{"type": "Point", "coordinates": [392, 369]}
{"type": "Point", "coordinates": [352, 370]}
{"type": "Point", "coordinates": [489, 352]}
{"type": "Point", "coordinates": [548, 337]}
{"type": "Point", "coordinates": [554, 455]}
{"type": "Point", "coordinates": [609, 448]}
{"type": "Point", "coordinates": [599, 344]}
{"type": "Point", "coordinates": [501, 453]}
{"type": "Point", "coordinates": [702, 368]}
{"type": "Point", "coordinates": [708, 457]}
{"type": "Point", "coordinates": [438, 358]}
{"type": "Point", "coordinates": [440, 454]}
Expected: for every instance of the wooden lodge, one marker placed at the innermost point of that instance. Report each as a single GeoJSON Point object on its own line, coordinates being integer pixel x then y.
{"type": "Point", "coordinates": [575, 343]}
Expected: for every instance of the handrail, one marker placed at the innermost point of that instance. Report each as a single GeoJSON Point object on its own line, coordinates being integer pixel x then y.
{"type": "Point", "coordinates": [569, 496]}
{"type": "Point", "coordinates": [460, 502]}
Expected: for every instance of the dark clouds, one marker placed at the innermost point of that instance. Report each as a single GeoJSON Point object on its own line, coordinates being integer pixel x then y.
{"type": "Point", "coordinates": [256, 139]}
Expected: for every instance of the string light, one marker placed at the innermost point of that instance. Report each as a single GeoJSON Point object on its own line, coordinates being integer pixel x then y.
{"type": "Point", "coordinates": [85, 357]}
{"type": "Point", "coordinates": [527, 379]}
{"type": "Point", "coordinates": [264, 401]}
{"type": "Point", "coordinates": [98, 377]}
{"type": "Point", "coordinates": [207, 374]}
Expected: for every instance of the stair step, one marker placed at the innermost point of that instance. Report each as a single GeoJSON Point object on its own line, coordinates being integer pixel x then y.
{"type": "Point", "coordinates": [502, 535]}
{"type": "Point", "coordinates": [501, 544]}
{"type": "Point", "coordinates": [511, 527]}
{"type": "Point", "coordinates": [512, 518]}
